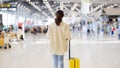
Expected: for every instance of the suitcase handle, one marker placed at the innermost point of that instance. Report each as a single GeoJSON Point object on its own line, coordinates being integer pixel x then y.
{"type": "Point", "coordinates": [69, 50]}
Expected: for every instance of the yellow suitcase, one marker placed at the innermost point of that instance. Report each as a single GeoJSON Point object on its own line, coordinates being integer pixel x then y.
{"type": "Point", "coordinates": [73, 62]}
{"type": "Point", "coordinates": [1, 42]}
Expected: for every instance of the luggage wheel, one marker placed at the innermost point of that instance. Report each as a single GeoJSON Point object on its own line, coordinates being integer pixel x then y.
{"type": "Point", "coordinates": [9, 46]}
{"type": "Point", "coordinates": [5, 47]}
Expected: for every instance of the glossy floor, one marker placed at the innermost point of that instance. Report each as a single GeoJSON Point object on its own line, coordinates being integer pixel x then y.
{"type": "Point", "coordinates": [93, 52]}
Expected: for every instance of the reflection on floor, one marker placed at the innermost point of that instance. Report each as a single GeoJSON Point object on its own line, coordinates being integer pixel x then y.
{"type": "Point", "coordinates": [93, 52]}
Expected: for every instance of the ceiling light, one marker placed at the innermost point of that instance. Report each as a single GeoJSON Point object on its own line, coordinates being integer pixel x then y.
{"type": "Point", "coordinates": [18, 5]}
{"type": "Point", "coordinates": [61, 5]}
{"type": "Point", "coordinates": [44, 13]}
{"type": "Point", "coordinates": [21, 6]}
{"type": "Point", "coordinates": [52, 13]}
{"type": "Point", "coordinates": [74, 6]}
{"type": "Point", "coordinates": [39, 9]}
{"type": "Point", "coordinates": [28, 0]}
{"type": "Point", "coordinates": [44, 0]}
{"type": "Point", "coordinates": [49, 7]}
{"type": "Point", "coordinates": [36, 7]}
{"type": "Point", "coordinates": [24, 7]}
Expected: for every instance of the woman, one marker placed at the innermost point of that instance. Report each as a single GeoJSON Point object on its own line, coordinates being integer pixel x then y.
{"type": "Point", "coordinates": [59, 34]}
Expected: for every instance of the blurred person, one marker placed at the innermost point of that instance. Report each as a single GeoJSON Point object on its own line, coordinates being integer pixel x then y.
{"type": "Point", "coordinates": [113, 29]}
{"type": "Point", "coordinates": [20, 34]}
{"type": "Point", "coordinates": [11, 28]}
{"type": "Point", "coordinates": [119, 31]}
{"type": "Point", "coordinates": [59, 34]}
{"type": "Point", "coordinates": [73, 27]}
{"type": "Point", "coordinates": [88, 28]}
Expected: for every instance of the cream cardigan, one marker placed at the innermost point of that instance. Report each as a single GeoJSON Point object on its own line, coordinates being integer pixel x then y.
{"type": "Point", "coordinates": [59, 36]}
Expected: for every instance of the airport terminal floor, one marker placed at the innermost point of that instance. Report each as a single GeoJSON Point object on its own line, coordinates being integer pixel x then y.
{"type": "Point", "coordinates": [93, 52]}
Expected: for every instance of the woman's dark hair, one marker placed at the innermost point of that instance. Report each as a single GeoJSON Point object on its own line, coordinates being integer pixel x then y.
{"type": "Point", "coordinates": [59, 13]}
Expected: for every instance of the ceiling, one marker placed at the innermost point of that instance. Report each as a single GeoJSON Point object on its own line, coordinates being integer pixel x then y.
{"type": "Point", "coordinates": [49, 7]}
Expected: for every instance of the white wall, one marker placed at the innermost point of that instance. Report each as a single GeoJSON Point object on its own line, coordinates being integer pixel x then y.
{"type": "Point", "coordinates": [8, 19]}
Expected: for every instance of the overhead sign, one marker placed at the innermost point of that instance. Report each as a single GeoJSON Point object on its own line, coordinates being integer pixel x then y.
{"type": "Point", "coordinates": [9, 5]}
{"type": "Point", "coordinates": [8, 9]}
{"type": "Point", "coordinates": [5, 5]}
